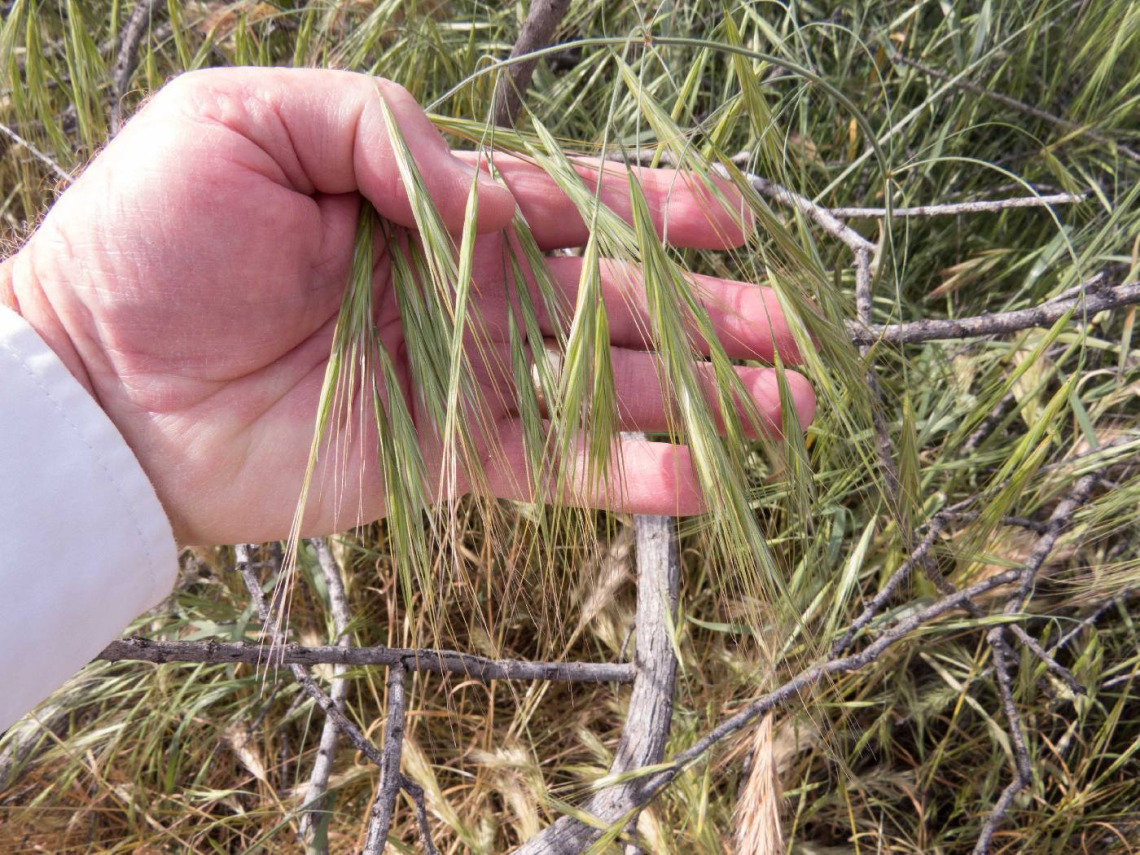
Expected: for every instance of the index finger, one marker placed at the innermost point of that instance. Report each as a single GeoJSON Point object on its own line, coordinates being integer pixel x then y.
{"type": "Point", "coordinates": [688, 210]}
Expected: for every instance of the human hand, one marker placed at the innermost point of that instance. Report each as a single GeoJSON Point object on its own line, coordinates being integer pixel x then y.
{"type": "Point", "coordinates": [191, 278]}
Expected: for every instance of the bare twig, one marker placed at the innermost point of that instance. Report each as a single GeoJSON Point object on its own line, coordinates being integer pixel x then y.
{"type": "Point", "coordinates": [1014, 104]}
{"type": "Point", "coordinates": [863, 296]}
{"type": "Point", "coordinates": [137, 25]}
{"type": "Point", "coordinates": [417, 794]}
{"type": "Point", "coordinates": [950, 209]}
{"type": "Point", "coordinates": [347, 727]}
{"type": "Point", "coordinates": [1023, 765]}
{"type": "Point", "coordinates": [821, 216]}
{"type": "Point", "coordinates": [651, 704]}
{"type": "Point", "coordinates": [326, 752]}
{"type": "Point", "coordinates": [1052, 664]}
{"type": "Point", "coordinates": [1059, 521]}
{"type": "Point", "coordinates": [988, 424]}
{"type": "Point", "coordinates": [1001, 807]}
{"type": "Point", "coordinates": [541, 21]}
{"type": "Point", "coordinates": [413, 659]}
{"type": "Point", "coordinates": [391, 780]}
{"type": "Point", "coordinates": [999, 323]}
{"type": "Point", "coordinates": [864, 334]}
{"type": "Point", "coordinates": [60, 173]}
{"type": "Point", "coordinates": [809, 677]}
{"type": "Point", "coordinates": [1050, 532]}
{"type": "Point", "coordinates": [937, 524]}
{"type": "Point", "coordinates": [658, 562]}
{"type": "Point", "coordinates": [1090, 619]}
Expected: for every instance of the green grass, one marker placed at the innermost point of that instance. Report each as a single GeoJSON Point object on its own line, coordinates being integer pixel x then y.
{"type": "Point", "coordinates": [905, 755]}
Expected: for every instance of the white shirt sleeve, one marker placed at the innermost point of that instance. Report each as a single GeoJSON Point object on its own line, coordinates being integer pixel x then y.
{"type": "Point", "coordinates": [85, 546]}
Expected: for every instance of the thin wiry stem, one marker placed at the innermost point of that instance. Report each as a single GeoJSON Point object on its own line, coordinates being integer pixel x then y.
{"type": "Point", "coordinates": [1020, 106]}
{"type": "Point", "coordinates": [413, 659]}
{"type": "Point", "coordinates": [326, 751]}
{"type": "Point", "coordinates": [997, 323]}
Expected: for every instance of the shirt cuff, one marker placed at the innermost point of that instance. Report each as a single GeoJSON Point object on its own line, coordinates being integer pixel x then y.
{"type": "Point", "coordinates": [87, 546]}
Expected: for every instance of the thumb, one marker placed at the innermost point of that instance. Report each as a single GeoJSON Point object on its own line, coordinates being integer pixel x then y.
{"type": "Point", "coordinates": [326, 133]}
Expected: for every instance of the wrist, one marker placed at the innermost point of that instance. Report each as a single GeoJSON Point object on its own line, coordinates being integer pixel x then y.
{"type": "Point", "coordinates": [21, 292]}
{"type": "Point", "coordinates": [7, 291]}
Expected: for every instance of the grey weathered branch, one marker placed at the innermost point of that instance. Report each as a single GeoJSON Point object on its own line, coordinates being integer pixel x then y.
{"type": "Point", "coordinates": [326, 750]}
{"type": "Point", "coordinates": [813, 675]}
{"type": "Point", "coordinates": [1023, 765]}
{"type": "Point", "coordinates": [60, 173]}
{"type": "Point", "coordinates": [1090, 619]}
{"type": "Point", "coordinates": [950, 209]}
{"type": "Point", "coordinates": [541, 21]}
{"type": "Point", "coordinates": [319, 696]}
{"type": "Point", "coordinates": [391, 779]}
{"type": "Point", "coordinates": [136, 27]}
{"type": "Point", "coordinates": [864, 334]}
{"type": "Point", "coordinates": [417, 794]}
{"type": "Point", "coordinates": [998, 323]}
{"type": "Point", "coordinates": [658, 564]}
{"type": "Point", "coordinates": [818, 214]}
{"type": "Point", "coordinates": [646, 727]}
{"type": "Point", "coordinates": [894, 582]}
{"type": "Point", "coordinates": [414, 659]}
{"type": "Point", "coordinates": [827, 218]}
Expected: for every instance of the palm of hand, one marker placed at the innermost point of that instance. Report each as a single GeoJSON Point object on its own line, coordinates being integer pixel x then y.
{"type": "Point", "coordinates": [198, 265]}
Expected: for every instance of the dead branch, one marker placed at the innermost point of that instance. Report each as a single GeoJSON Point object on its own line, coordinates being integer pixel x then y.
{"type": "Point", "coordinates": [997, 323]}
{"type": "Point", "coordinates": [137, 25]}
{"type": "Point", "coordinates": [346, 726]}
{"type": "Point", "coordinates": [1090, 619]}
{"type": "Point", "coordinates": [1014, 104]}
{"type": "Point", "coordinates": [416, 792]}
{"type": "Point", "coordinates": [658, 560]}
{"type": "Point", "coordinates": [536, 31]}
{"type": "Point", "coordinates": [1023, 764]}
{"type": "Point", "coordinates": [60, 173]}
{"type": "Point", "coordinates": [651, 704]}
{"type": "Point", "coordinates": [391, 780]}
{"type": "Point", "coordinates": [818, 214]}
{"type": "Point", "coordinates": [950, 209]}
{"type": "Point", "coordinates": [894, 582]}
{"type": "Point", "coordinates": [810, 676]}
{"type": "Point", "coordinates": [988, 424]}
{"type": "Point", "coordinates": [413, 659]}
{"type": "Point", "coordinates": [326, 751]}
